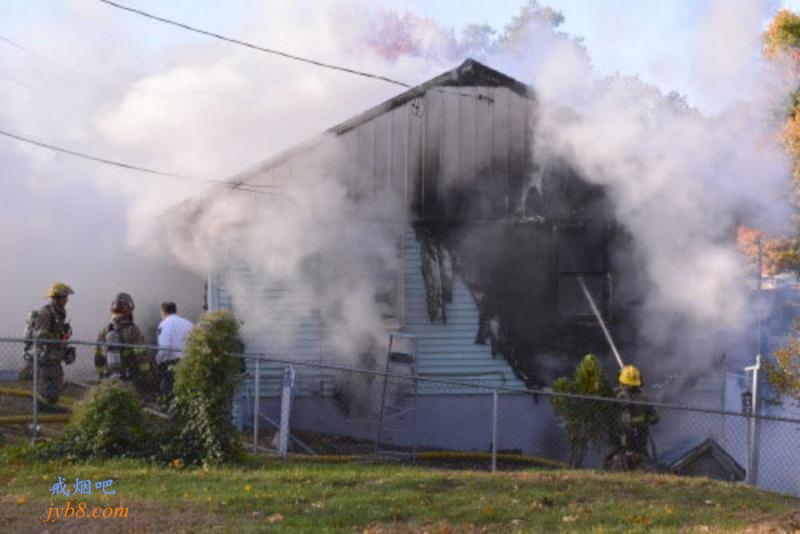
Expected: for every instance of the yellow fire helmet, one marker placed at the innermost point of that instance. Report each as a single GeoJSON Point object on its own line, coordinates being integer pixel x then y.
{"type": "Point", "coordinates": [59, 289]}
{"type": "Point", "coordinates": [629, 376]}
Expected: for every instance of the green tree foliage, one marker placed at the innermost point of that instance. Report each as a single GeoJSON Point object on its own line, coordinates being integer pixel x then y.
{"type": "Point", "coordinates": [110, 422]}
{"type": "Point", "coordinates": [585, 421]}
{"type": "Point", "coordinates": [205, 383]}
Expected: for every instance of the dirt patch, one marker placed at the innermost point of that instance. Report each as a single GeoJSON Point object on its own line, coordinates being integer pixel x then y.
{"type": "Point", "coordinates": [440, 527]}
{"type": "Point", "coordinates": [141, 517]}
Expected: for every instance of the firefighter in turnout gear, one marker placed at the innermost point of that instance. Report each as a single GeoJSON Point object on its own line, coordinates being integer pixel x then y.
{"type": "Point", "coordinates": [51, 331]}
{"type": "Point", "coordinates": [127, 363]}
{"type": "Point", "coordinates": [635, 421]}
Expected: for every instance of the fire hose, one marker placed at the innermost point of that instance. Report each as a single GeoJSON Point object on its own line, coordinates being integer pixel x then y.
{"type": "Point", "coordinates": [25, 419]}
{"type": "Point", "coordinates": [14, 392]}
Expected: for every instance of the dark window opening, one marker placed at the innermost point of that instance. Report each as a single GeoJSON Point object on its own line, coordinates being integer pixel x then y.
{"type": "Point", "coordinates": [582, 263]}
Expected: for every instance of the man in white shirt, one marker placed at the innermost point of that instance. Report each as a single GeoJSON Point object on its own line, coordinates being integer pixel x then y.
{"type": "Point", "coordinates": [173, 330]}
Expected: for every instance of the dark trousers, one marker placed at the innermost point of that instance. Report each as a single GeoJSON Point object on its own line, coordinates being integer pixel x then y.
{"type": "Point", "coordinates": [166, 371]}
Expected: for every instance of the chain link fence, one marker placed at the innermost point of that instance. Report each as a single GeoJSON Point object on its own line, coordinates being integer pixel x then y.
{"type": "Point", "coordinates": [37, 394]}
{"type": "Point", "coordinates": [289, 406]}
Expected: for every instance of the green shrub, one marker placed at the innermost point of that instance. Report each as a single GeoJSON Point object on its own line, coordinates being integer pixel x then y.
{"type": "Point", "coordinates": [205, 383]}
{"type": "Point", "coordinates": [585, 421]}
{"type": "Point", "coordinates": [110, 422]}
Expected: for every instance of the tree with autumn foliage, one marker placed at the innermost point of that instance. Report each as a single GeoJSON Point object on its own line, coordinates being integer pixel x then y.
{"type": "Point", "coordinates": [781, 253]}
{"type": "Point", "coordinates": [782, 44]}
{"type": "Point", "coordinates": [778, 255]}
{"type": "Point", "coordinates": [784, 373]}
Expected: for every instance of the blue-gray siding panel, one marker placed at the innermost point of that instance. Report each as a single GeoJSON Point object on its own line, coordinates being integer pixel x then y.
{"type": "Point", "coordinates": [449, 350]}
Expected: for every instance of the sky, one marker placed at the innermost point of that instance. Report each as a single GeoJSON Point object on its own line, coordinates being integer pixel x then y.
{"type": "Point", "coordinates": [654, 40]}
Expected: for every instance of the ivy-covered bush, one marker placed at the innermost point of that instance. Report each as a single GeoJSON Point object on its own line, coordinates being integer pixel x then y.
{"type": "Point", "coordinates": [585, 421]}
{"type": "Point", "coordinates": [205, 383]}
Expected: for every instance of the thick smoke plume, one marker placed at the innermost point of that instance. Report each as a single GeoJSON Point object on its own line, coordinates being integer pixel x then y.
{"type": "Point", "coordinates": [681, 182]}
{"type": "Point", "coordinates": [303, 251]}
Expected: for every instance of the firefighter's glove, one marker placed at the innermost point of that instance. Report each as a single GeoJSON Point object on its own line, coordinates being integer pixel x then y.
{"type": "Point", "coordinates": [69, 355]}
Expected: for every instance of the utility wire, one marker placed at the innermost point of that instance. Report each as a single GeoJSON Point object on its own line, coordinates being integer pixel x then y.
{"type": "Point", "coordinates": [257, 47]}
{"type": "Point", "coordinates": [33, 89]}
{"type": "Point", "coordinates": [114, 163]}
{"type": "Point", "coordinates": [44, 59]}
{"type": "Point", "coordinates": [24, 49]}
{"type": "Point", "coordinates": [479, 96]}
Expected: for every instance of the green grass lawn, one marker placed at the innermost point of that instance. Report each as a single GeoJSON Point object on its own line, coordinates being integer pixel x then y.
{"type": "Point", "coordinates": [294, 496]}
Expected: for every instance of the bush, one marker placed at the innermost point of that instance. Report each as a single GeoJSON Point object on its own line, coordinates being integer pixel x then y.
{"type": "Point", "coordinates": [110, 422]}
{"type": "Point", "coordinates": [205, 383]}
{"type": "Point", "coordinates": [585, 421]}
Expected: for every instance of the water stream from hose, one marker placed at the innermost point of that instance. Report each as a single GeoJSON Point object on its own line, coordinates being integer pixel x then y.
{"type": "Point", "coordinates": [602, 323]}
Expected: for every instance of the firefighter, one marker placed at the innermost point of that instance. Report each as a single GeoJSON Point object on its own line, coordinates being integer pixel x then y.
{"type": "Point", "coordinates": [52, 328]}
{"type": "Point", "coordinates": [635, 419]}
{"type": "Point", "coordinates": [126, 363]}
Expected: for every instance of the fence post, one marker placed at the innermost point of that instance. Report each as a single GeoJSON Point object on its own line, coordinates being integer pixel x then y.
{"type": "Point", "coordinates": [286, 409]}
{"type": "Point", "coordinates": [256, 393]}
{"type": "Point", "coordinates": [35, 391]}
{"type": "Point", "coordinates": [752, 435]}
{"type": "Point", "coordinates": [494, 430]}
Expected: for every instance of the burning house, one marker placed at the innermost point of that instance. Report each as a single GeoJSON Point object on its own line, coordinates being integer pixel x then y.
{"type": "Point", "coordinates": [494, 243]}
{"type": "Point", "coordinates": [450, 227]}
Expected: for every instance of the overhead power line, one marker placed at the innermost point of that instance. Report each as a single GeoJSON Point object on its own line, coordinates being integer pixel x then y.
{"type": "Point", "coordinates": [280, 53]}
{"type": "Point", "coordinates": [115, 163]}
{"type": "Point", "coordinates": [19, 46]}
{"type": "Point", "coordinates": [294, 57]}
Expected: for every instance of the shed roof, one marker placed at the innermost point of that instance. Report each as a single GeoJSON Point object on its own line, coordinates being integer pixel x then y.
{"type": "Point", "coordinates": [470, 73]}
{"type": "Point", "coordinates": [708, 448]}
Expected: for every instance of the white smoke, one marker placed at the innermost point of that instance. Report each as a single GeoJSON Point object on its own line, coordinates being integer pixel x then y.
{"type": "Point", "coordinates": [301, 250]}
{"type": "Point", "coordinates": [63, 219]}
{"type": "Point", "coordinates": [680, 180]}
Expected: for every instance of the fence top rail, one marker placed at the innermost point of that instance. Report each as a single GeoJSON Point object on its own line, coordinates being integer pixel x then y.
{"type": "Point", "coordinates": [507, 389]}
{"type": "Point", "coordinates": [266, 357]}
{"type": "Point", "coordinates": [42, 341]}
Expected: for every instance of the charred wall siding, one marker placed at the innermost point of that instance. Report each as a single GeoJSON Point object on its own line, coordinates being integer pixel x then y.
{"type": "Point", "coordinates": [437, 153]}
{"type": "Point", "coordinates": [474, 148]}
{"type": "Point", "coordinates": [448, 349]}
{"type": "Point", "coordinates": [442, 150]}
